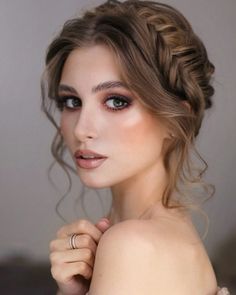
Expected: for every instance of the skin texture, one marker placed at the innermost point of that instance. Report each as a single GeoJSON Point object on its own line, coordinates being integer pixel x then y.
{"type": "Point", "coordinates": [131, 138]}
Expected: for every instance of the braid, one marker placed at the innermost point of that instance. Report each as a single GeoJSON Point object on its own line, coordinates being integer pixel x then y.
{"type": "Point", "coordinates": [177, 52]}
{"type": "Point", "coordinates": [180, 56]}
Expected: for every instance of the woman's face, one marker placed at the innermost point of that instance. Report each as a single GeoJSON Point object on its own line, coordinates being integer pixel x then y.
{"type": "Point", "coordinates": [111, 122]}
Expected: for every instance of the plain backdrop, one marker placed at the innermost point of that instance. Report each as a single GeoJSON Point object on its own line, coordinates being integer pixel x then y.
{"type": "Point", "coordinates": [28, 220]}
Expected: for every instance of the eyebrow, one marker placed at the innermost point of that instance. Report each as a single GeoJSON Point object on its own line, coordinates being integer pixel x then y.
{"type": "Point", "coordinates": [100, 87]}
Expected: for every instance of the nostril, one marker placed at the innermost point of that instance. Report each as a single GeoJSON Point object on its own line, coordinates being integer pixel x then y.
{"type": "Point", "coordinates": [84, 131]}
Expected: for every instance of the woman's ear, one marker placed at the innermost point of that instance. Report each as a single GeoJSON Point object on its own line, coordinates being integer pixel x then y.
{"type": "Point", "coordinates": [170, 135]}
{"type": "Point", "coordinates": [187, 105]}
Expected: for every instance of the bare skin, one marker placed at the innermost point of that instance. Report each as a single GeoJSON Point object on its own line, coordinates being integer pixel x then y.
{"type": "Point", "coordinates": [74, 278]}
{"type": "Point", "coordinates": [176, 228]}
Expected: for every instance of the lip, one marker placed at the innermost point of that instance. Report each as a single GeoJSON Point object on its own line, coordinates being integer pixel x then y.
{"type": "Point", "coordinates": [89, 163]}
{"type": "Point", "coordinates": [79, 153]}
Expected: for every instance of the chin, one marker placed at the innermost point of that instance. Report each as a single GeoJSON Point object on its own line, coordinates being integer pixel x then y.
{"type": "Point", "coordinates": [103, 179]}
{"type": "Point", "coordinates": [94, 182]}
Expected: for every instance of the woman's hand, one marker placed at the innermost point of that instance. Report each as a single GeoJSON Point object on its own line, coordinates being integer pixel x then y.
{"type": "Point", "coordinates": [72, 268]}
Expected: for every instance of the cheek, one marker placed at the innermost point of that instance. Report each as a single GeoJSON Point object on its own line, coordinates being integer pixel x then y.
{"type": "Point", "coordinates": [137, 132]}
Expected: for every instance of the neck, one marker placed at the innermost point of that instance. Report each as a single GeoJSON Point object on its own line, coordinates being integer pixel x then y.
{"type": "Point", "coordinates": [135, 197]}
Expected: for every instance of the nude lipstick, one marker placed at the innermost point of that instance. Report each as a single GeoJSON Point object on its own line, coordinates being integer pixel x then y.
{"type": "Point", "coordinates": [88, 159]}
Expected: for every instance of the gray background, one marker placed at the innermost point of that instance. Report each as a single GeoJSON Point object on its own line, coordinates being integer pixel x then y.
{"type": "Point", "coordinates": [27, 218]}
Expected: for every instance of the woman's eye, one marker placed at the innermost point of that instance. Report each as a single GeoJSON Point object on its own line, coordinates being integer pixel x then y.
{"type": "Point", "coordinates": [116, 103]}
{"type": "Point", "coordinates": [69, 102]}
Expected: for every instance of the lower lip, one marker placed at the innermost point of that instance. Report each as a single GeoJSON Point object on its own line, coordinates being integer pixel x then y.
{"type": "Point", "coordinates": [89, 163]}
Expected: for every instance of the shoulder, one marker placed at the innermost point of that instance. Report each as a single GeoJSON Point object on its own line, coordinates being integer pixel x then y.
{"type": "Point", "coordinates": [130, 237]}
{"type": "Point", "coordinates": [163, 239]}
{"type": "Point", "coordinates": [163, 235]}
{"type": "Point", "coordinates": [123, 257]}
{"type": "Point", "coordinates": [125, 231]}
{"type": "Point", "coordinates": [131, 234]}
{"type": "Point", "coordinates": [141, 257]}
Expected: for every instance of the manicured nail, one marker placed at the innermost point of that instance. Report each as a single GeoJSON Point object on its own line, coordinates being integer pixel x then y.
{"type": "Point", "coordinates": [105, 220]}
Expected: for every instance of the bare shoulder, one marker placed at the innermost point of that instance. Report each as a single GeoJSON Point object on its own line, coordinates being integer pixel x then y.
{"type": "Point", "coordinates": [123, 261]}
{"type": "Point", "coordinates": [180, 250]}
{"type": "Point", "coordinates": [140, 257]}
{"type": "Point", "coordinates": [130, 229]}
{"type": "Point", "coordinates": [126, 236]}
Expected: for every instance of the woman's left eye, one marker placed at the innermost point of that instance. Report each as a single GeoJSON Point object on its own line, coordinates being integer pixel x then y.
{"type": "Point", "coordinates": [116, 103]}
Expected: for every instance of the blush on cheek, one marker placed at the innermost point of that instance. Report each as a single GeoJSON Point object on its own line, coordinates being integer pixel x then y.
{"type": "Point", "coordinates": [137, 128]}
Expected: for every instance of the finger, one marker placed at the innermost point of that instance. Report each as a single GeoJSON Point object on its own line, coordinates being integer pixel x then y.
{"type": "Point", "coordinates": [81, 226]}
{"type": "Point", "coordinates": [103, 224]}
{"type": "Point", "coordinates": [81, 241]}
{"type": "Point", "coordinates": [75, 255]}
{"type": "Point", "coordinates": [63, 273]}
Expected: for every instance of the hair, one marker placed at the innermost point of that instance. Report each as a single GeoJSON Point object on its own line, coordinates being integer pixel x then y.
{"type": "Point", "coordinates": [162, 60]}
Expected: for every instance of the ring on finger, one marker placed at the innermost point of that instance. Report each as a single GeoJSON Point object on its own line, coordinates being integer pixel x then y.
{"type": "Point", "coordinates": [72, 241]}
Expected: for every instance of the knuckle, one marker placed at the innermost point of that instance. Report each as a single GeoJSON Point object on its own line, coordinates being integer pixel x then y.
{"type": "Point", "coordinates": [52, 245]}
{"type": "Point", "coordinates": [82, 224]}
{"type": "Point", "coordinates": [86, 240]}
{"type": "Point", "coordinates": [83, 268]}
{"type": "Point", "coordinates": [88, 254]}
{"type": "Point", "coordinates": [54, 257]}
{"type": "Point", "coordinates": [63, 278]}
{"type": "Point", "coordinates": [55, 271]}
{"type": "Point", "coordinates": [58, 274]}
{"type": "Point", "coordinates": [88, 273]}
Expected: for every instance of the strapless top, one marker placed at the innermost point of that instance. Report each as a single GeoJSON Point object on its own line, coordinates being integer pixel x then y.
{"type": "Point", "coordinates": [220, 291]}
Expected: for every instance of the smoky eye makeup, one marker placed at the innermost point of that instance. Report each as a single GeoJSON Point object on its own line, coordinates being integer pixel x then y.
{"type": "Point", "coordinates": [68, 101]}
{"type": "Point", "coordinates": [112, 102]}
{"type": "Point", "coordinates": [117, 102]}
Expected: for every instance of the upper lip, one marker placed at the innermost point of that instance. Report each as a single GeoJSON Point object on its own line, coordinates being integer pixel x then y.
{"type": "Point", "coordinates": [80, 153]}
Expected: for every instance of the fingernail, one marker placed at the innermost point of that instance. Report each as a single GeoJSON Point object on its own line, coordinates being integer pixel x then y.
{"type": "Point", "coordinates": [105, 220]}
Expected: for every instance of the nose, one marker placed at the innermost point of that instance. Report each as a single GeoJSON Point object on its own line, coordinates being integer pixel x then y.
{"type": "Point", "coordinates": [85, 126]}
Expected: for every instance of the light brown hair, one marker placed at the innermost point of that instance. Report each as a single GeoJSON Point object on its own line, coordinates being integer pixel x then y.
{"type": "Point", "coordinates": [162, 60]}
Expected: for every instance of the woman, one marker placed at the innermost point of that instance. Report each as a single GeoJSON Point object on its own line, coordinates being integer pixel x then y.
{"type": "Point", "coordinates": [132, 82]}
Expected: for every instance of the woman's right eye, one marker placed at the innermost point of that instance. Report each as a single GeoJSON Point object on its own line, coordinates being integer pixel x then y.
{"type": "Point", "coordinates": [69, 102]}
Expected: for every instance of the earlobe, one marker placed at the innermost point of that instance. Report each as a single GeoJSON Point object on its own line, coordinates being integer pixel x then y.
{"type": "Point", "coordinates": [170, 135]}
{"type": "Point", "coordinates": [186, 105]}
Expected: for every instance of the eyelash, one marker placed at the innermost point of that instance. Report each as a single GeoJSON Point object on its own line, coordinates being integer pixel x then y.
{"type": "Point", "coordinates": [62, 101]}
